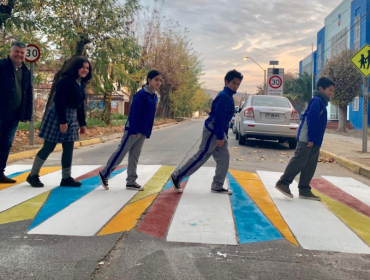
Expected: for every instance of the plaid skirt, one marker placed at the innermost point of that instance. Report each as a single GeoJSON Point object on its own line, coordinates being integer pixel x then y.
{"type": "Point", "coordinates": [50, 128]}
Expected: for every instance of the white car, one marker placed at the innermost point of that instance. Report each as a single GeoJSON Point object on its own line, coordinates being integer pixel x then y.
{"type": "Point", "coordinates": [267, 117]}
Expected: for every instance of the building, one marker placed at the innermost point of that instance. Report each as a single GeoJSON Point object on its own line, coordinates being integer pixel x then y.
{"type": "Point", "coordinates": [344, 28]}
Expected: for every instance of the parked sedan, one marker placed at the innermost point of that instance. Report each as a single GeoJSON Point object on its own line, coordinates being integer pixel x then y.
{"type": "Point", "coordinates": [232, 122]}
{"type": "Point", "coordinates": [267, 117]}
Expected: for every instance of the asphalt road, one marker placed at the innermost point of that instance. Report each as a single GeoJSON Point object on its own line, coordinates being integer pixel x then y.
{"type": "Point", "coordinates": [134, 255]}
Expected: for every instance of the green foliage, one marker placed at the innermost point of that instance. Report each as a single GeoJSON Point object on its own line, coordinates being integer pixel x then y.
{"type": "Point", "coordinates": [299, 90]}
{"type": "Point", "coordinates": [346, 77]}
{"type": "Point", "coordinates": [26, 126]}
{"type": "Point", "coordinates": [92, 123]}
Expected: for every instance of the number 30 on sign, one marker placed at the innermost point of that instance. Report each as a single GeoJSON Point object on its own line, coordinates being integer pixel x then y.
{"type": "Point", "coordinates": [33, 53]}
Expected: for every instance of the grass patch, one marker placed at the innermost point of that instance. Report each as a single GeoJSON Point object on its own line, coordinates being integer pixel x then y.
{"type": "Point", "coordinates": [119, 117]}
{"type": "Point", "coordinates": [91, 123]}
{"type": "Point", "coordinates": [26, 126]}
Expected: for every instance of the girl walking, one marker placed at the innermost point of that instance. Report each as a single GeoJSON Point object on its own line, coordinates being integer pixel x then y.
{"type": "Point", "coordinates": [138, 127]}
{"type": "Point", "coordinates": [64, 120]}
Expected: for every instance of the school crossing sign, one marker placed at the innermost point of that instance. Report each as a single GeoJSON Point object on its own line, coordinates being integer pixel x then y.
{"type": "Point", "coordinates": [362, 60]}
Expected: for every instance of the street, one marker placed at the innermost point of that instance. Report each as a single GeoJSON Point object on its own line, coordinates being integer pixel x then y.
{"type": "Point", "coordinates": [90, 233]}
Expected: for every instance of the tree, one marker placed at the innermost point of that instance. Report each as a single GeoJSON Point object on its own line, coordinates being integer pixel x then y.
{"type": "Point", "coordinates": [299, 90]}
{"type": "Point", "coordinates": [347, 81]}
{"type": "Point", "coordinates": [260, 90]}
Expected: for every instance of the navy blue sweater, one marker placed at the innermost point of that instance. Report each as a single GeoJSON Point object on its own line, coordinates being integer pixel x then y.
{"type": "Point", "coordinates": [316, 117]}
{"type": "Point", "coordinates": [222, 111]}
{"type": "Point", "coordinates": [72, 95]}
{"type": "Point", "coordinates": [141, 117]}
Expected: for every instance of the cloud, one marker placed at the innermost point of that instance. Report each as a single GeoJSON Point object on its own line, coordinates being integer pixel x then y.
{"type": "Point", "coordinates": [223, 32]}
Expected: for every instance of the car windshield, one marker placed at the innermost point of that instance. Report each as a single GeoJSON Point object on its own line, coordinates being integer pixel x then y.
{"type": "Point", "coordinates": [270, 102]}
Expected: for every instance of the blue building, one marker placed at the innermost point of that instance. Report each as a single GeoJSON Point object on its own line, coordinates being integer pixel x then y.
{"type": "Point", "coordinates": [344, 28]}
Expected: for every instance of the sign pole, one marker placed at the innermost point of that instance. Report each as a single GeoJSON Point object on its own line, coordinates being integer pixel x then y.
{"type": "Point", "coordinates": [32, 123]}
{"type": "Point", "coordinates": [364, 116]}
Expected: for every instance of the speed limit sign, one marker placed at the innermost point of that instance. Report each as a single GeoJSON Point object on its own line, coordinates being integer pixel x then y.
{"type": "Point", "coordinates": [33, 53]}
{"type": "Point", "coordinates": [275, 82]}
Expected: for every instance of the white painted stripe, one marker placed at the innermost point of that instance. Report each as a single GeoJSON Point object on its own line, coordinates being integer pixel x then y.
{"type": "Point", "coordinates": [202, 216]}
{"type": "Point", "coordinates": [314, 226]}
{"type": "Point", "coordinates": [352, 187]}
{"type": "Point", "coordinates": [10, 169]}
{"type": "Point", "coordinates": [17, 194]}
{"type": "Point", "coordinates": [89, 214]}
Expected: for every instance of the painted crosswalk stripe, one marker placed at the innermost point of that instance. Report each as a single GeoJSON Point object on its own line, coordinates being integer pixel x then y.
{"type": "Point", "coordinates": [17, 194]}
{"type": "Point", "coordinates": [315, 227]}
{"type": "Point", "coordinates": [351, 186]}
{"type": "Point", "coordinates": [89, 214]}
{"type": "Point", "coordinates": [202, 216]}
{"type": "Point", "coordinates": [62, 197]}
{"type": "Point", "coordinates": [251, 224]}
{"type": "Point", "coordinates": [17, 168]}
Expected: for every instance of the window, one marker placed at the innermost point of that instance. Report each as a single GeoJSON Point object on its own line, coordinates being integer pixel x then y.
{"type": "Point", "coordinates": [307, 68]}
{"type": "Point", "coordinates": [270, 101]}
{"type": "Point", "coordinates": [319, 59]}
{"type": "Point", "coordinates": [334, 112]}
{"type": "Point", "coordinates": [356, 104]}
{"type": "Point", "coordinates": [339, 42]}
{"type": "Point", "coordinates": [356, 33]}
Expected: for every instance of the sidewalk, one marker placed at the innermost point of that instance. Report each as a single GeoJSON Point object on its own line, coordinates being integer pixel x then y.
{"type": "Point", "coordinates": [347, 152]}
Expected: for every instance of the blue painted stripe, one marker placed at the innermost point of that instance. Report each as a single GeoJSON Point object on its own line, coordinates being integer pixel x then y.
{"type": "Point", "coordinates": [170, 185]}
{"type": "Point", "coordinates": [251, 224]}
{"type": "Point", "coordinates": [62, 197]}
{"type": "Point", "coordinates": [199, 158]}
{"type": "Point", "coordinates": [18, 173]}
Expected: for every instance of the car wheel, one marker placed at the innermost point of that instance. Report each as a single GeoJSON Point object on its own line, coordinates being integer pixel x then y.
{"type": "Point", "coordinates": [234, 128]}
{"type": "Point", "coordinates": [292, 144]}
{"type": "Point", "coordinates": [237, 135]}
{"type": "Point", "coordinates": [242, 139]}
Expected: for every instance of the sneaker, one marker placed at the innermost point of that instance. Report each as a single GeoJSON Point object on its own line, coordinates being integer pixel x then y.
{"type": "Point", "coordinates": [34, 181]}
{"type": "Point", "coordinates": [6, 180]}
{"type": "Point", "coordinates": [223, 191]}
{"type": "Point", "coordinates": [70, 182]}
{"type": "Point", "coordinates": [309, 195]}
{"type": "Point", "coordinates": [284, 189]}
{"type": "Point", "coordinates": [176, 184]}
{"type": "Point", "coordinates": [103, 181]}
{"type": "Point", "coordinates": [135, 186]}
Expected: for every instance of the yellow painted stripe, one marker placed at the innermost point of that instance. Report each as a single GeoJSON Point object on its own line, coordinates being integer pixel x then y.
{"type": "Point", "coordinates": [356, 221]}
{"type": "Point", "coordinates": [127, 219]}
{"type": "Point", "coordinates": [22, 178]}
{"type": "Point", "coordinates": [155, 184]}
{"type": "Point", "coordinates": [24, 211]}
{"type": "Point", "coordinates": [252, 185]}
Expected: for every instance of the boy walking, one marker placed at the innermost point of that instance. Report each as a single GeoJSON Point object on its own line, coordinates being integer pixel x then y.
{"type": "Point", "coordinates": [214, 139]}
{"type": "Point", "coordinates": [310, 137]}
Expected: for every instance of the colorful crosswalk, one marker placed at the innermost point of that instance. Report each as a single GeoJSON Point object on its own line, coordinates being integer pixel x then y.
{"type": "Point", "coordinates": [256, 212]}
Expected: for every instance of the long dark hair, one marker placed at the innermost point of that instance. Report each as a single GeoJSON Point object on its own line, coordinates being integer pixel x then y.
{"type": "Point", "coordinates": [74, 65]}
{"type": "Point", "coordinates": [152, 74]}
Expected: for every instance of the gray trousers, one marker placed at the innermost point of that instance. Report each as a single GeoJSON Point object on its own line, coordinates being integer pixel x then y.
{"type": "Point", "coordinates": [208, 147]}
{"type": "Point", "coordinates": [129, 145]}
{"type": "Point", "coordinates": [304, 162]}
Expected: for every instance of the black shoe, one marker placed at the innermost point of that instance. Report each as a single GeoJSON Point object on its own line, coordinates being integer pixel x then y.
{"type": "Point", "coordinates": [103, 181]}
{"type": "Point", "coordinates": [34, 181]}
{"type": "Point", "coordinates": [309, 195]}
{"type": "Point", "coordinates": [135, 186]}
{"type": "Point", "coordinates": [223, 191]}
{"type": "Point", "coordinates": [70, 182]}
{"type": "Point", "coordinates": [284, 189]}
{"type": "Point", "coordinates": [176, 184]}
{"type": "Point", "coordinates": [6, 180]}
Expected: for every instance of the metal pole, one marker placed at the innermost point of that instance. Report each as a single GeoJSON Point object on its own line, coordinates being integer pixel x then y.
{"type": "Point", "coordinates": [264, 81]}
{"type": "Point", "coordinates": [312, 64]}
{"type": "Point", "coordinates": [364, 116]}
{"type": "Point", "coordinates": [32, 124]}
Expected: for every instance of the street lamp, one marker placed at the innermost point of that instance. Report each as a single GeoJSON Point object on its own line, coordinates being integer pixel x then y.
{"type": "Point", "coordinates": [264, 72]}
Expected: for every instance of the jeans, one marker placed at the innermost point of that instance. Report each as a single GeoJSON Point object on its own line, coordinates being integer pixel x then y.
{"type": "Point", "coordinates": [8, 127]}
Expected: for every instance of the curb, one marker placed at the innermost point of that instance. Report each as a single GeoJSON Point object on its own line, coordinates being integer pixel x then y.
{"type": "Point", "coordinates": [347, 163]}
{"type": "Point", "coordinates": [83, 143]}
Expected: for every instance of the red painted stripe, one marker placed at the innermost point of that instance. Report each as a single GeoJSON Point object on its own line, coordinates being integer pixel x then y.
{"type": "Point", "coordinates": [159, 216]}
{"type": "Point", "coordinates": [95, 173]}
{"type": "Point", "coordinates": [331, 190]}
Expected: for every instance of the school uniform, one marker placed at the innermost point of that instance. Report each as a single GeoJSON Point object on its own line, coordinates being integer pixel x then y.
{"type": "Point", "coordinates": [216, 127]}
{"type": "Point", "coordinates": [140, 123]}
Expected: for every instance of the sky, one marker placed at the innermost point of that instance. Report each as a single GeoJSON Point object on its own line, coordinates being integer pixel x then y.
{"type": "Point", "coordinates": [223, 32]}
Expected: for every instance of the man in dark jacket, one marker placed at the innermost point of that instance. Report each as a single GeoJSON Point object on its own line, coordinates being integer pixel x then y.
{"type": "Point", "coordinates": [16, 99]}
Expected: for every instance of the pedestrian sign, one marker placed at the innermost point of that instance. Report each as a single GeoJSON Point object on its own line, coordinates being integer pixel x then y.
{"type": "Point", "coordinates": [362, 60]}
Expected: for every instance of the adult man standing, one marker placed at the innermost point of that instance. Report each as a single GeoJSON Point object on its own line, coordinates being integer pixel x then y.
{"type": "Point", "coordinates": [16, 99]}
